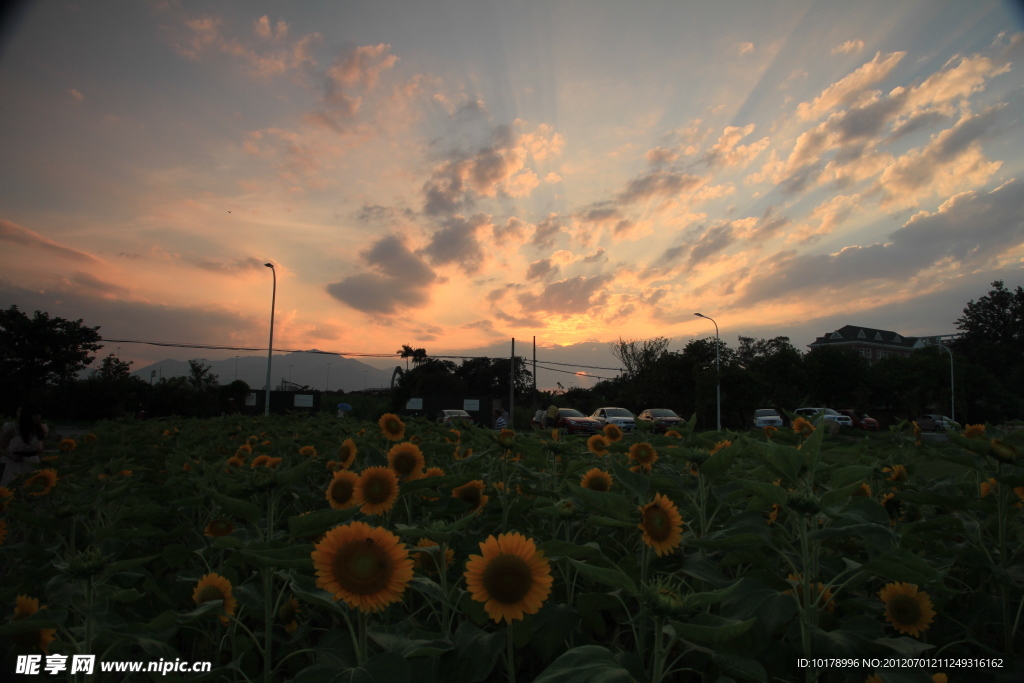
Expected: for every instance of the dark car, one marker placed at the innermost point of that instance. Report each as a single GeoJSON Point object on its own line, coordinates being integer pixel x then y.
{"type": "Point", "coordinates": [575, 422]}
{"type": "Point", "coordinates": [663, 419]}
{"type": "Point", "coordinates": [860, 420]}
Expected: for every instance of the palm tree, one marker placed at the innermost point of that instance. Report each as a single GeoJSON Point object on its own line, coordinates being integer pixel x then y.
{"type": "Point", "coordinates": [406, 352]}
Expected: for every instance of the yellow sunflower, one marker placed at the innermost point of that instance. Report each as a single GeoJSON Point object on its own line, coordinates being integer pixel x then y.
{"type": "Point", "coordinates": [427, 561]}
{"type": "Point", "coordinates": [341, 492]}
{"type": "Point", "coordinates": [6, 497]}
{"type": "Point", "coordinates": [917, 432]}
{"type": "Point", "coordinates": [974, 431]}
{"type": "Point", "coordinates": [264, 461]}
{"type": "Point", "coordinates": [1019, 490]}
{"type": "Point", "coordinates": [367, 567]}
{"type": "Point", "coordinates": [25, 607]}
{"type": "Point", "coordinates": [391, 427]}
{"type": "Point", "coordinates": [89, 438]}
{"type": "Point", "coordinates": [612, 433]}
{"type": "Point", "coordinates": [416, 439]}
{"type": "Point", "coordinates": [693, 469]}
{"type": "Point", "coordinates": [643, 454]}
{"type": "Point", "coordinates": [596, 480]}
{"type": "Point", "coordinates": [218, 527]}
{"type": "Point", "coordinates": [598, 444]}
{"type": "Point", "coordinates": [896, 472]}
{"type": "Point", "coordinates": [640, 469]}
{"type": "Point", "coordinates": [511, 577]}
{"type": "Point", "coordinates": [556, 435]}
{"type": "Point", "coordinates": [406, 460]}
{"type": "Point", "coordinates": [720, 445]}
{"type": "Point", "coordinates": [346, 453]}
{"type": "Point", "coordinates": [769, 431]}
{"type": "Point", "coordinates": [822, 597]}
{"type": "Point", "coordinates": [473, 493]}
{"type": "Point", "coordinates": [308, 451]}
{"type": "Point", "coordinates": [434, 472]}
{"type": "Point", "coordinates": [987, 487]}
{"type": "Point", "coordinates": [673, 434]}
{"type": "Point", "coordinates": [939, 678]}
{"type": "Point", "coordinates": [462, 454]}
{"type": "Point", "coordinates": [907, 609]}
{"type": "Point", "coordinates": [506, 437]}
{"type": "Point", "coordinates": [287, 613]}
{"type": "Point", "coordinates": [67, 445]}
{"type": "Point", "coordinates": [773, 516]}
{"type": "Point", "coordinates": [377, 489]}
{"type": "Point", "coordinates": [802, 426]}
{"type": "Point", "coordinates": [662, 525]}
{"type": "Point", "coordinates": [1003, 451]}
{"type": "Point", "coordinates": [42, 482]}
{"type": "Point", "coordinates": [244, 450]}
{"type": "Point", "coordinates": [237, 461]}
{"type": "Point", "coordinates": [215, 587]}
{"type": "Point", "coordinates": [863, 491]}
{"type": "Point", "coordinates": [3, 531]}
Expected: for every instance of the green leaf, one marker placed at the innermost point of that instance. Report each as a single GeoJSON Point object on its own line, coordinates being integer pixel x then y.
{"type": "Point", "coordinates": [703, 570]}
{"type": "Point", "coordinates": [607, 521]}
{"type": "Point", "coordinates": [838, 531]}
{"type": "Point", "coordinates": [908, 647]}
{"type": "Point", "coordinates": [706, 598]}
{"type": "Point", "coordinates": [711, 629]}
{"type": "Point", "coordinates": [728, 539]}
{"type": "Point", "coordinates": [903, 565]}
{"type": "Point", "coordinates": [305, 588]}
{"type": "Point", "coordinates": [844, 476]}
{"type": "Point", "coordinates": [293, 557]}
{"type": "Point", "coordinates": [122, 565]}
{"type": "Point", "coordinates": [316, 523]}
{"type": "Point", "coordinates": [127, 595]}
{"type": "Point", "coordinates": [555, 549]}
{"type": "Point", "coordinates": [751, 598]}
{"type": "Point", "coordinates": [836, 496]}
{"type": "Point", "coordinates": [638, 484]}
{"type": "Point", "coordinates": [44, 618]}
{"type": "Point", "coordinates": [612, 504]}
{"type": "Point", "coordinates": [228, 542]}
{"type": "Point", "coordinates": [476, 652]}
{"type": "Point", "coordinates": [615, 578]}
{"type": "Point", "coordinates": [743, 668]}
{"type": "Point", "coordinates": [768, 492]}
{"type": "Point", "coordinates": [585, 664]}
{"type": "Point", "coordinates": [235, 507]}
{"type": "Point", "coordinates": [409, 647]}
{"type": "Point", "coordinates": [719, 463]}
{"type": "Point", "coordinates": [294, 474]}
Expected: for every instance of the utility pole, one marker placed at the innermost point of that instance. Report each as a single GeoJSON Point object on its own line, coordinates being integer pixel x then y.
{"type": "Point", "coordinates": [535, 366]}
{"type": "Point", "coordinates": [270, 351]}
{"type": "Point", "coordinates": [512, 387]}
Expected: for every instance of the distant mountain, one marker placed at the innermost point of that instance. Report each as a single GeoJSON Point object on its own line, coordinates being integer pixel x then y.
{"type": "Point", "coordinates": [306, 368]}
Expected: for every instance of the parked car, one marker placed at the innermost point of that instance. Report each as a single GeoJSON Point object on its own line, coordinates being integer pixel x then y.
{"type": "Point", "coordinates": [452, 417]}
{"type": "Point", "coordinates": [663, 419]}
{"type": "Point", "coordinates": [935, 423]}
{"type": "Point", "coordinates": [574, 422]}
{"type": "Point", "coordinates": [829, 414]}
{"type": "Point", "coordinates": [620, 417]}
{"type": "Point", "coordinates": [767, 417]}
{"type": "Point", "coordinates": [861, 420]}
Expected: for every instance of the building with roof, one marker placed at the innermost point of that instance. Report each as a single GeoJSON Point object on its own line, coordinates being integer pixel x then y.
{"type": "Point", "coordinates": [874, 344]}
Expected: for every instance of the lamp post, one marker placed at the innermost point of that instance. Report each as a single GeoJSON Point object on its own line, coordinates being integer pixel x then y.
{"type": "Point", "coordinates": [364, 379]}
{"type": "Point", "coordinates": [270, 351]}
{"type": "Point", "coordinates": [328, 377]}
{"type": "Point", "coordinates": [952, 395]}
{"type": "Point", "coordinates": [119, 353]}
{"type": "Point", "coordinates": [718, 376]}
{"type": "Point", "coordinates": [289, 373]}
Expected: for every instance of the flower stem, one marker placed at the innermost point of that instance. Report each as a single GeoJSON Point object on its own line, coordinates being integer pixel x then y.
{"type": "Point", "coordinates": [510, 661]}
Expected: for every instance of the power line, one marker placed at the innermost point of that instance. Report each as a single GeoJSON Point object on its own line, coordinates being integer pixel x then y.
{"type": "Point", "coordinates": [570, 372]}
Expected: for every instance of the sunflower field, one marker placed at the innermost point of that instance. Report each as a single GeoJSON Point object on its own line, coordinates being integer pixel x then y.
{"type": "Point", "coordinates": [313, 549]}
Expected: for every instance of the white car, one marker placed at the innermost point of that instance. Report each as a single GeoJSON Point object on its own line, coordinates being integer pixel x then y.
{"type": "Point", "coordinates": [767, 417]}
{"type": "Point", "coordinates": [447, 417]}
{"type": "Point", "coordinates": [830, 415]}
{"type": "Point", "coordinates": [620, 417]}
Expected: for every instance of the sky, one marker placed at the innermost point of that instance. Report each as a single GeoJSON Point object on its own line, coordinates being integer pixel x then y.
{"type": "Point", "coordinates": [452, 175]}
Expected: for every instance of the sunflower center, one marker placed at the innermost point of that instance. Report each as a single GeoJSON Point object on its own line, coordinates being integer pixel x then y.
{"type": "Point", "coordinates": [656, 523]}
{"type": "Point", "coordinates": [375, 492]}
{"type": "Point", "coordinates": [508, 578]}
{"type": "Point", "coordinates": [287, 612]}
{"type": "Point", "coordinates": [362, 567]}
{"type": "Point", "coordinates": [470, 495]}
{"type": "Point", "coordinates": [208, 593]}
{"type": "Point", "coordinates": [598, 484]}
{"type": "Point", "coordinates": [221, 526]}
{"type": "Point", "coordinates": [344, 453]}
{"type": "Point", "coordinates": [904, 609]}
{"type": "Point", "coordinates": [392, 426]}
{"type": "Point", "coordinates": [405, 463]}
{"type": "Point", "coordinates": [342, 490]}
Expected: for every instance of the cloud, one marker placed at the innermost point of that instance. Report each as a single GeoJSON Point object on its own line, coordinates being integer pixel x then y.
{"type": "Point", "coordinates": [240, 265]}
{"type": "Point", "coordinates": [659, 182]}
{"type": "Point", "coordinates": [264, 60]}
{"type": "Point", "coordinates": [745, 48]}
{"type": "Point", "coordinates": [970, 230]}
{"type": "Point", "coordinates": [458, 242]}
{"type": "Point", "coordinates": [540, 270]}
{"type": "Point", "coordinates": [75, 95]}
{"type": "Point", "coordinates": [552, 177]}
{"type": "Point", "coordinates": [91, 282]}
{"type": "Point", "coordinates": [597, 257]}
{"type": "Point", "coordinates": [829, 215]}
{"type": "Point", "coordinates": [16, 234]}
{"type": "Point", "coordinates": [849, 88]}
{"type": "Point", "coordinates": [262, 28]}
{"type": "Point", "coordinates": [848, 47]}
{"type": "Point", "coordinates": [567, 297]}
{"type": "Point", "coordinates": [546, 232]}
{"type": "Point", "coordinates": [520, 321]}
{"type": "Point", "coordinates": [728, 152]}
{"type": "Point", "coordinates": [361, 66]}
{"type": "Point", "coordinates": [398, 279]}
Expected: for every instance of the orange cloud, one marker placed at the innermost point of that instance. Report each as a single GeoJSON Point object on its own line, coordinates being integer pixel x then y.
{"type": "Point", "coordinates": [16, 234]}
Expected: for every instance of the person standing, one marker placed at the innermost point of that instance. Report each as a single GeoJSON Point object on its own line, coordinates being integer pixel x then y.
{"type": "Point", "coordinates": [21, 443]}
{"type": "Point", "coordinates": [538, 420]}
{"type": "Point", "coordinates": [499, 419]}
{"type": "Point", "coordinates": [551, 417]}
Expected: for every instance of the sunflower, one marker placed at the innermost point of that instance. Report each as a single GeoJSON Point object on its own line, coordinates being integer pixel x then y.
{"type": "Point", "coordinates": [244, 448]}
{"type": "Point", "coordinates": [974, 431]}
{"type": "Point", "coordinates": [377, 489]}
{"type": "Point", "coordinates": [940, 678]}
{"type": "Point", "coordinates": [896, 472]}
{"type": "Point", "coordinates": [3, 531]}
{"type": "Point", "coordinates": [341, 492]}
{"type": "Point", "coordinates": [720, 445]}
{"type": "Point", "coordinates": [456, 432]}
{"type": "Point", "coordinates": [391, 427]}
{"type": "Point", "coordinates": [917, 431]}
{"type": "Point", "coordinates": [640, 469]}
{"type": "Point", "coordinates": [511, 577]}
{"type": "Point", "coordinates": [264, 443]}
{"type": "Point", "coordinates": [908, 610]}
{"type": "Point", "coordinates": [506, 437]}
{"type": "Point", "coordinates": [264, 461]}
{"type": "Point", "coordinates": [308, 451]}
{"type": "Point", "coordinates": [286, 614]}
{"type": "Point", "coordinates": [461, 454]}
{"type": "Point", "coordinates": [596, 480]}
{"type": "Point", "coordinates": [893, 506]}
{"type": "Point", "coordinates": [365, 566]}
{"type": "Point", "coordinates": [1019, 490]}
{"type": "Point", "coordinates": [612, 433]}
{"type": "Point", "coordinates": [237, 460]}
{"type": "Point", "coordinates": [186, 466]}
{"type": "Point", "coordinates": [89, 438]}
{"type": "Point", "coordinates": [24, 608]}
{"type": "Point", "coordinates": [987, 487]}
{"type": "Point", "coordinates": [252, 440]}
{"type": "Point", "coordinates": [874, 678]}
{"type": "Point", "coordinates": [769, 431]}
{"type": "Point", "coordinates": [1003, 451]}
{"type": "Point", "coordinates": [598, 444]}
{"type": "Point", "coordinates": [42, 482]}
{"type": "Point", "coordinates": [822, 597]}
{"type": "Point", "coordinates": [863, 491]}
{"type": "Point", "coordinates": [218, 527]}
{"type": "Point", "coordinates": [215, 587]}
{"type": "Point", "coordinates": [643, 454]}
{"type": "Point", "coordinates": [472, 493]}
{"type": "Point", "coordinates": [662, 525]}
{"type": "Point", "coordinates": [427, 560]}
{"type": "Point", "coordinates": [673, 434]}
{"type": "Point", "coordinates": [693, 469]}
{"type": "Point", "coordinates": [773, 516]}
{"type": "Point", "coordinates": [406, 460]}
{"type": "Point", "coordinates": [67, 445]}
{"type": "Point", "coordinates": [416, 439]}
{"type": "Point", "coordinates": [6, 496]}
{"type": "Point", "coordinates": [802, 426]}
{"type": "Point", "coordinates": [499, 486]}
{"type": "Point", "coordinates": [556, 435]}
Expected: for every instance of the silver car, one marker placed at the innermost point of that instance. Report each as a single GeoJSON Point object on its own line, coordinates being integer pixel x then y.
{"type": "Point", "coordinates": [767, 417]}
{"type": "Point", "coordinates": [829, 414]}
{"type": "Point", "coordinates": [620, 417]}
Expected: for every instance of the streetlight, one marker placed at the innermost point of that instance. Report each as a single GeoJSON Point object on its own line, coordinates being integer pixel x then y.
{"type": "Point", "coordinates": [364, 379]}
{"type": "Point", "coordinates": [952, 395]}
{"type": "Point", "coordinates": [718, 377]}
{"type": "Point", "coordinates": [270, 351]}
{"type": "Point", "coordinates": [290, 373]}
{"type": "Point", "coordinates": [119, 353]}
{"type": "Point", "coordinates": [328, 377]}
